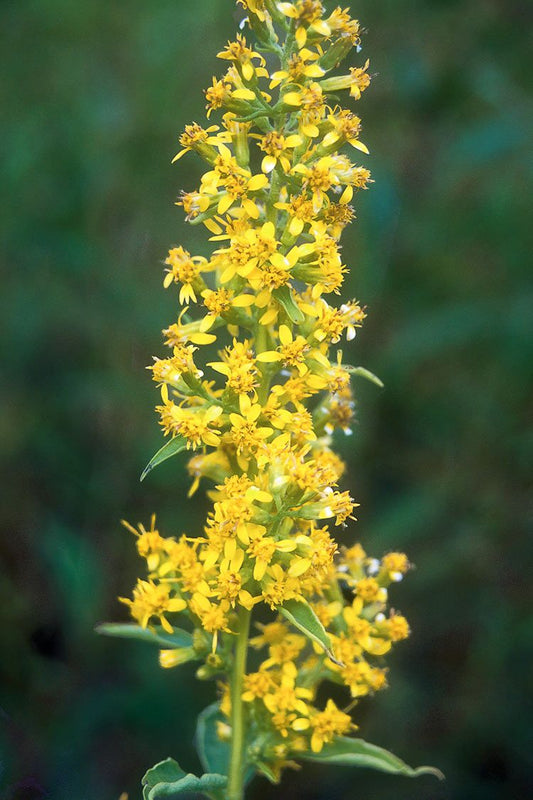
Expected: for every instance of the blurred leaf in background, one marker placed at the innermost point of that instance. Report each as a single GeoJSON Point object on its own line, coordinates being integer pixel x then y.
{"type": "Point", "coordinates": [93, 98]}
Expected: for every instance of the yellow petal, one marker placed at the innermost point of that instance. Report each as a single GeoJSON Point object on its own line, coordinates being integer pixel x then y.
{"type": "Point", "coordinates": [176, 604]}
{"type": "Point", "coordinates": [246, 599]}
{"type": "Point", "coordinates": [314, 71]}
{"type": "Point", "coordinates": [243, 301]}
{"type": "Point", "coordinates": [259, 569]}
{"type": "Point", "coordinates": [220, 366]}
{"type": "Point", "coordinates": [268, 164]}
{"type": "Point", "coordinates": [225, 202]}
{"type": "Point", "coordinates": [212, 226]}
{"type": "Point", "coordinates": [250, 207]}
{"type": "Point", "coordinates": [301, 37]}
{"type": "Point", "coordinates": [286, 545]}
{"type": "Point", "coordinates": [346, 196]}
{"type": "Point", "coordinates": [202, 338]}
{"type": "Point", "coordinates": [260, 495]}
{"type": "Point", "coordinates": [165, 624]}
{"type": "Point", "coordinates": [208, 322]}
{"type": "Point", "coordinates": [257, 182]}
{"type": "Point", "coordinates": [293, 141]}
{"type": "Point", "coordinates": [292, 99]}
{"type": "Point", "coordinates": [242, 533]}
{"type": "Point", "coordinates": [230, 547]}
{"type": "Point", "coordinates": [254, 412]}
{"type": "Point", "coordinates": [245, 404]}
{"type": "Point", "coordinates": [243, 94]}
{"type": "Point", "coordinates": [299, 566]}
{"type": "Point", "coordinates": [268, 230]}
{"type": "Point", "coordinates": [300, 724]}
{"type": "Point", "coordinates": [248, 71]}
{"type": "Point", "coordinates": [269, 316]}
{"type": "Point", "coordinates": [263, 298]}
{"type": "Point", "coordinates": [310, 130]}
{"type": "Point", "coordinates": [210, 438]}
{"type": "Point", "coordinates": [285, 335]}
{"type": "Point", "coordinates": [359, 146]}
{"type": "Point", "coordinates": [269, 356]}
{"type": "Point", "coordinates": [377, 647]}
{"type": "Point", "coordinates": [321, 27]}
{"type": "Point", "coordinates": [180, 154]}
{"type": "Point", "coordinates": [296, 226]}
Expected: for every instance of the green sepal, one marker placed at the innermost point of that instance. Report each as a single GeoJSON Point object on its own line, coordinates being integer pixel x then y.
{"type": "Point", "coordinates": [348, 752]}
{"type": "Point", "coordinates": [361, 372]}
{"type": "Point", "coordinates": [285, 298]}
{"type": "Point", "coordinates": [301, 615]}
{"type": "Point", "coordinates": [171, 448]}
{"type": "Point", "coordinates": [167, 780]}
{"type": "Point", "coordinates": [155, 635]}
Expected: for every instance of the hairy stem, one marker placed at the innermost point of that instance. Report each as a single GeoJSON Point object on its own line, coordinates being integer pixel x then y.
{"type": "Point", "coordinates": [236, 767]}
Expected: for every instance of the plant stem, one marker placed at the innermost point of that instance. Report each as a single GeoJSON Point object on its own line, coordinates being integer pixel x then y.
{"type": "Point", "coordinates": [236, 767]}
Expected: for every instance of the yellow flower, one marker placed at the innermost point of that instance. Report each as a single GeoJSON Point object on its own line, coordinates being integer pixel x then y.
{"type": "Point", "coordinates": [277, 147]}
{"type": "Point", "coordinates": [293, 352]}
{"type": "Point", "coordinates": [298, 69]}
{"type": "Point", "coordinates": [245, 434]}
{"type": "Point", "coordinates": [197, 138]}
{"type": "Point", "coordinates": [395, 565]}
{"type": "Point", "coordinates": [275, 198]}
{"type": "Point", "coordinates": [308, 15]}
{"type": "Point", "coordinates": [257, 7]}
{"type": "Point", "coordinates": [257, 685]}
{"type": "Point", "coordinates": [240, 54]}
{"type": "Point", "coordinates": [184, 269]}
{"type": "Point", "coordinates": [152, 599]}
{"type": "Point", "coordinates": [311, 105]}
{"type": "Point", "coordinates": [194, 424]}
{"type": "Point", "coordinates": [327, 724]}
{"type": "Point", "coordinates": [150, 544]}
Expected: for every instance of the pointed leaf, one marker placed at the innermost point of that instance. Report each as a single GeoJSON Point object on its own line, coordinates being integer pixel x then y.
{"type": "Point", "coordinates": [171, 448]}
{"type": "Point", "coordinates": [361, 372]}
{"type": "Point", "coordinates": [285, 298]}
{"type": "Point", "coordinates": [348, 752]}
{"type": "Point", "coordinates": [267, 771]}
{"type": "Point", "coordinates": [156, 635]}
{"type": "Point", "coordinates": [302, 616]}
{"type": "Point", "coordinates": [167, 781]}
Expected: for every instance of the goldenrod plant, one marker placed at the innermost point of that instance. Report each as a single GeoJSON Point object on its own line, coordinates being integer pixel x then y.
{"type": "Point", "coordinates": [255, 387]}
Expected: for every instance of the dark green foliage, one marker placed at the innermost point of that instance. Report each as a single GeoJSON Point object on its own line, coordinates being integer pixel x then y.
{"type": "Point", "coordinates": [94, 96]}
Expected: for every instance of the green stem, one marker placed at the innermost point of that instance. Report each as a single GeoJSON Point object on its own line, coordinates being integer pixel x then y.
{"type": "Point", "coordinates": [236, 767]}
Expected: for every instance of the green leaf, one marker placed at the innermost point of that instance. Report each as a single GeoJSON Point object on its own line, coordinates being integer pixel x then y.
{"type": "Point", "coordinates": [302, 616]}
{"type": "Point", "coordinates": [171, 448]}
{"type": "Point", "coordinates": [167, 780]}
{"type": "Point", "coordinates": [285, 298]}
{"type": "Point", "coordinates": [348, 752]}
{"type": "Point", "coordinates": [214, 754]}
{"type": "Point", "coordinates": [361, 372]}
{"type": "Point", "coordinates": [157, 636]}
{"type": "Point", "coordinates": [267, 771]}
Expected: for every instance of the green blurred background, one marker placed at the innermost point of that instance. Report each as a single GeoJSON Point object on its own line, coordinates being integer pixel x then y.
{"type": "Point", "coordinates": [93, 96]}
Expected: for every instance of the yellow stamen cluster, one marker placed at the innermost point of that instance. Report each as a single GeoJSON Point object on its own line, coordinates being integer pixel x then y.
{"type": "Point", "coordinates": [262, 406]}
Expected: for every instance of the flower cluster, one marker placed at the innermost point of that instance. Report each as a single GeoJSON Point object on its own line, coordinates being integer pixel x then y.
{"type": "Point", "coordinates": [255, 386]}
